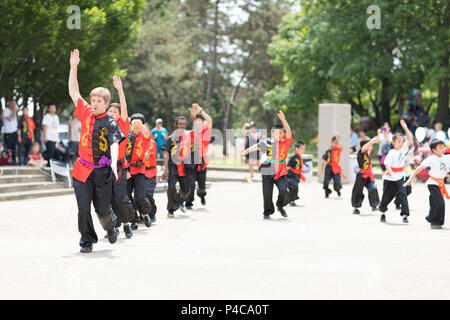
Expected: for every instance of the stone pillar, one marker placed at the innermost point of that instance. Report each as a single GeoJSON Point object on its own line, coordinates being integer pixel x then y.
{"type": "Point", "coordinates": [334, 117]}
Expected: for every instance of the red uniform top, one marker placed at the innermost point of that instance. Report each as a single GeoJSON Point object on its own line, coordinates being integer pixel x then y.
{"type": "Point", "coordinates": [199, 148]}
{"type": "Point", "coordinates": [35, 156]}
{"type": "Point", "coordinates": [125, 127]}
{"type": "Point", "coordinates": [150, 163]}
{"type": "Point", "coordinates": [97, 134]}
{"type": "Point", "coordinates": [137, 145]}
{"type": "Point", "coordinates": [27, 126]}
{"type": "Point", "coordinates": [277, 153]}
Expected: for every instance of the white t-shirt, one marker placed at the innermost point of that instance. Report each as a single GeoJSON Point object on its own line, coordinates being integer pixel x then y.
{"type": "Point", "coordinates": [75, 131]}
{"type": "Point", "coordinates": [9, 126]}
{"type": "Point", "coordinates": [384, 141]}
{"type": "Point", "coordinates": [396, 159]}
{"type": "Point", "coordinates": [52, 123]}
{"type": "Point", "coordinates": [438, 167]}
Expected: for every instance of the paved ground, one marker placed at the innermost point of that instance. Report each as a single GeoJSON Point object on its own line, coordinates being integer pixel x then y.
{"type": "Point", "coordinates": [227, 251]}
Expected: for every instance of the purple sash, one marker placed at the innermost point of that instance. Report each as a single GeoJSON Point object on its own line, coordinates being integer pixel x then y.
{"type": "Point", "coordinates": [102, 163]}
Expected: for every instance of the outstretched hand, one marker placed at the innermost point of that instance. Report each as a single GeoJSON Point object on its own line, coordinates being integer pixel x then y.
{"type": "Point", "coordinates": [403, 124]}
{"type": "Point", "coordinates": [281, 116]}
{"type": "Point", "coordinates": [74, 58]}
{"type": "Point", "coordinates": [117, 82]}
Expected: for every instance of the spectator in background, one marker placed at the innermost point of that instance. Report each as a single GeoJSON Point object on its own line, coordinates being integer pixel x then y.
{"type": "Point", "coordinates": [353, 139]}
{"type": "Point", "coordinates": [26, 136]}
{"type": "Point", "coordinates": [437, 129]}
{"type": "Point", "coordinates": [366, 123]}
{"type": "Point", "coordinates": [423, 120]}
{"type": "Point", "coordinates": [362, 136]}
{"type": "Point", "coordinates": [159, 134]}
{"type": "Point", "coordinates": [36, 159]}
{"type": "Point", "coordinates": [74, 138]}
{"type": "Point", "coordinates": [10, 136]}
{"type": "Point", "coordinates": [401, 105]}
{"type": "Point", "coordinates": [50, 125]}
{"type": "Point", "coordinates": [252, 135]}
{"type": "Point", "coordinates": [385, 135]}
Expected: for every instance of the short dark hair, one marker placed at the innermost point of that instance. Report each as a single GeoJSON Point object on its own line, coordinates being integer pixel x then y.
{"type": "Point", "coordinates": [138, 116]}
{"type": "Point", "coordinates": [434, 143]}
{"type": "Point", "coordinates": [199, 116]}
{"type": "Point", "coordinates": [333, 138]}
{"type": "Point", "coordinates": [178, 119]}
{"type": "Point", "coordinates": [115, 105]}
{"type": "Point", "coordinates": [278, 126]}
{"type": "Point", "coordinates": [298, 144]}
{"type": "Point", "coordinates": [363, 142]}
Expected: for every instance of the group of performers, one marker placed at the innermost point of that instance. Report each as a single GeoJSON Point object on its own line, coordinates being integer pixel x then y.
{"type": "Point", "coordinates": [117, 171]}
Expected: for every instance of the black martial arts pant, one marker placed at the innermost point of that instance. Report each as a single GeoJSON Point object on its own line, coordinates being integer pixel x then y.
{"type": "Point", "coordinates": [358, 195]}
{"type": "Point", "coordinates": [408, 192]}
{"type": "Point", "coordinates": [391, 189]}
{"type": "Point", "coordinates": [97, 189]}
{"type": "Point", "coordinates": [11, 140]}
{"type": "Point", "coordinates": [150, 185]}
{"type": "Point", "coordinates": [50, 150]}
{"type": "Point", "coordinates": [24, 151]}
{"type": "Point", "coordinates": [200, 177]}
{"type": "Point", "coordinates": [283, 195]}
{"type": "Point", "coordinates": [176, 198]}
{"type": "Point", "coordinates": [330, 175]}
{"type": "Point", "coordinates": [437, 206]}
{"type": "Point", "coordinates": [137, 183]}
{"type": "Point", "coordinates": [293, 181]}
{"type": "Point", "coordinates": [121, 203]}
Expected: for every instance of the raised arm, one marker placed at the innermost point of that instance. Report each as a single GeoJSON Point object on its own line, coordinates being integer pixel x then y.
{"type": "Point", "coordinates": [338, 137]}
{"type": "Point", "coordinates": [374, 140]}
{"type": "Point", "coordinates": [282, 118]}
{"type": "Point", "coordinates": [74, 91]}
{"type": "Point", "coordinates": [123, 102]}
{"type": "Point", "coordinates": [408, 132]}
{"type": "Point", "coordinates": [206, 116]}
{"type": "Point", "coordinates": [415, 173]}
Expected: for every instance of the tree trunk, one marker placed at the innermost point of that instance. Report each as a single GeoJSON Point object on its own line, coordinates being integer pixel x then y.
{"type": "Point", "coordinates": [210, 87]}
{"type": "Point", "coordinates": [442, 113]}
{"type": "Point", "coordinates": [385, 101]}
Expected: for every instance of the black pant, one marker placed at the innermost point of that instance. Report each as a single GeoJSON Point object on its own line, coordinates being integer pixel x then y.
{"type": "Point", "coordinates": [50, 147]}
{"type": "Point", "coordinates": [391, 189]}
{"type": "Point", "coordinates": [11, 140]}
{"type": "Point", "coordinates": [408, 192]}
{"type": "Point", "coordinates": [358, 195]}
{"type": "Point", "coordinates": [293, 181]}
{"type": "Point", "coordinates": [200, 177]}
{"type": "Point", "coordinates": [150, 185]}
{"type": "Point", "coordinates": [176, 198]}
{"type": "Point", "coordinates": [24, 151]}
{"type": "Point", "coordinates": [137, 184]}
{"type": "Point", "coordinates": [283, 195]}
{"type": "Point", "coordinates": [96, 189]}
{"type": "Point", "coordinates": [336, 179]}
{"type": "Point", "coordinates": [121, 203]}
{"type": "Point", "coordinates": [437, 206]}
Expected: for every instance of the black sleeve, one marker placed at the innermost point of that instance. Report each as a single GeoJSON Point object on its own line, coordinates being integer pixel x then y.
{"type": "Point", "coordinates": [291, 162]}
{"type": "Point", "coordinates": [168, 144]}
{"type": "Point", "coordinates": [325, 156]}
{"type": "Point", "coordinates": [115, 134]}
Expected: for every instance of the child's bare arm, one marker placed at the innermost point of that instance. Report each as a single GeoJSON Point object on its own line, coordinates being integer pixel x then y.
{"type": "Point", "coordinates": [74, 91]}
{"type": "Point", "coordinates": [415, 173]}
{"type": "Point", "coordinates": [282, 118]}
{"type": "Point", "coordinates": [374, 140]}
{"type": "Point", "coordinates": [123, 102]}
{"type": "Point", "coordinates": [251, 149]}
{"type": "Point", "coordinates": [408, 132]}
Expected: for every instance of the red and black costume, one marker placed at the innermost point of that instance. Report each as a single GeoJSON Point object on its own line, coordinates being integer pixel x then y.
{"type": "Point", "coordinates": [199, 150]}
{"type": "Point", "coordinates": [364, 178]}
{"type": "Point", "coordinates": [121, 203]}
{"type": "Point", "coordinates": [274, 171]}
{"type": "Point", "coordinates": [92, 175]}
{"type": "Point", "coordinates": [178, 145]}
{"type": "Point", "coordinates": [333, 170]}
{"type": "Point", "coordinates": [295, 168]}
{"type": "Point", "coordinates": [151, 176]}
{"type": "Point", "coordinates": [137, 146]}
{"type": "Point", "coordinates": [26, 127]}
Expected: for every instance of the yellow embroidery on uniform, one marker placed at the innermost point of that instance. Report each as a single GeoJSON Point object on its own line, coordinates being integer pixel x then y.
{"type": "Point", "coordinates": [269, 149]}
{"type": "Point", "coordinates": [366, 162]}
{"type": "Point", "coordinates": [174, 151]}
{"type": "Point", "coordinates": [336, 158]}
{"type": "Point", "coordinates": [297, 166]}
{"type": "Point", "coordinates": [128, 147]}
{"type": "Point", "coordinates": [103, 143]}
{"type": "Point", "coordinates": [24, 129]}
{"type": "Point", "coordinates": [84, 138]}
{"type": "Point", "coordinates": [139, 148]}
{"type": "Point", "coordinates": [329, 157]}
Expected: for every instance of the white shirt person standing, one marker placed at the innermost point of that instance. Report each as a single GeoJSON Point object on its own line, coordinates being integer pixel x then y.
{"type": "Point", "coordinates": [50, 125]}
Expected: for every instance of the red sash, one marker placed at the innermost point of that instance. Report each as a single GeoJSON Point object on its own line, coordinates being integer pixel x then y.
{"type": "Point", "coordinates": [334, 163]}
{"type": "Point", "coordinates": [395, 170]}
{"type": "Point", "coordinates": [300, 171]}
{"type": "Point", "coordinates": [442, 188]}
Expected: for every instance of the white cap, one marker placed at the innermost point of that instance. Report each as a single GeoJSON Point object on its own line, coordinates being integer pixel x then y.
{"type": "Point", "coordinates": [158, 120]}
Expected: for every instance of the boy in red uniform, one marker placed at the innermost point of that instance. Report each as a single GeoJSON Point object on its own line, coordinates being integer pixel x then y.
{"type": "Point", "coordinates": [95, 170]}
{"type": "Point", "coordinates": [26, 136]}
{"type": "Point", "coordinates": [121, 203]}
{"type": "Point", "coordinates": [151, 178]}
{"type": "Point", "coordinates": [332, 169]}
{"type": "Point", "coordinates": [200, 139]}
{"type": "Point", "coordinates": [274, 170]}
{"type": "Point", "coordinates": [137, 145]}
{"type": "Point", "coordinates": [295, 167]}
{"type": "Point", "coordinates": [365, 177]}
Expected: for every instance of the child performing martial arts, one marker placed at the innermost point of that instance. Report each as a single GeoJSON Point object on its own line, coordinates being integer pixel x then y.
{"type": "Point", "coordinates": [200, 139]}
{"type": "Point", "coordinates": [96, 169]}
{"type": "Point", "coordinates": [364, 177]}
{"type": "Point", "coordinates": [137, 146]}
{"type": "Point", "coordinates": [177, 152]}
{"type": "Point", "coordinates": [121, 204]}
{"type": "Point", "coordinates": [333, 170]}
{"type": "Point", "coordinates": [439, 165]}
{"type": "Point", "coordinates": [295, 167]}
{"type": "Point", "coordinates": [274, 170]}
{"type": "Point", "coordinates": [151, 178]}
{"type": "Point", "coordinates": [393, 181]}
